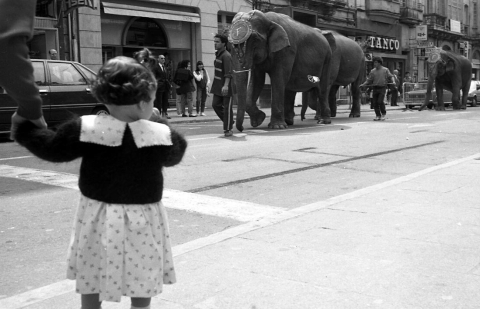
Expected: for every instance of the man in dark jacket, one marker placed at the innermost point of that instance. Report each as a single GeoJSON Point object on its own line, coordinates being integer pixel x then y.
{"type": "Point", "coordinates": [163, 87]}
{"type": "Point", "coordinates": [16, 28]}
{"type": "Point", "coordinates": [221, 88]}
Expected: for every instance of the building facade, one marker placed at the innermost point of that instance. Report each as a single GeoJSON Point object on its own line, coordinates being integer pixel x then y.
{"type": "Point", "coordinates": [93, 31]}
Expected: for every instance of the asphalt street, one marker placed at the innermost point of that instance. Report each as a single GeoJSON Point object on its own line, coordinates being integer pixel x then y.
{"type": "Point", "coordinates": [356, 214]}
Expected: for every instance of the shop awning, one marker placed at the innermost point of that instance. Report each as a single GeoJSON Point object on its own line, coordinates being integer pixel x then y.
{"type": "Point", "coordinates": [140, 11]}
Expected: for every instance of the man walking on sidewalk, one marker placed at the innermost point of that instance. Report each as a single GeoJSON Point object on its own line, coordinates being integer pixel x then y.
{"type": "Point", "coordinates": [221, 88]}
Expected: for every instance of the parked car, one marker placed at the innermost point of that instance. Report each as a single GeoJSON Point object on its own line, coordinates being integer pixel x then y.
{"type": "Point", "coordinates": [414, 94]}
{"type": "Point", "coordinates": [65, 90]}
{"type": "Point", "coordinates": [474, 93]}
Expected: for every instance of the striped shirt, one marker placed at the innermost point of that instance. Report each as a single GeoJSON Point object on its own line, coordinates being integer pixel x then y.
{"type": "Point", "coordinates": [223, 69]}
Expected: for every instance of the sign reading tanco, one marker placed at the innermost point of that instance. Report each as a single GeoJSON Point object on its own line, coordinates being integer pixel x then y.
{"type": "Point", "coordinates": [71, 5]}
{"type": "Point", "coordinates": [383, 43]}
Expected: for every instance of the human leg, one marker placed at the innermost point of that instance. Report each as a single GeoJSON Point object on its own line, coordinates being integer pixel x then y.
{"type": "Point", "coordinates": [217, 105]}
{"type": "Point", "coordinates": [381, 103]}
{"type": "Point", "coordinates": [394, 98]}
{"type": "Point", "coordinates": [203, 99]}
{"type": "Point", "coordinates": [199, 98]}
{"type": "Point", "coordinates": [376, 104]}
{"type": "Point", "coordinates": [183, 103]}
{"type": "Point", "coordinates": [190, 104]}
{"type": "Point", "coordinates": [228, 114]}
{"type": "Point", "coordinates": [140, 303]}
{"type": "Point", "coordinates": [91, 301]}
{"type": "Point", "coordinates": [164, 97]}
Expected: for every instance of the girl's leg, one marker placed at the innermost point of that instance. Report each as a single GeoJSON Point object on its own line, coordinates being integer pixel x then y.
{"type": "Point", "coordinates": [140, 303]}
{"type": "Point", "coordinates": [203, 99]}
{"type": "Point", "coordinates": [199, 98]}
{"type": "Point", "coordinates": [91, 301]}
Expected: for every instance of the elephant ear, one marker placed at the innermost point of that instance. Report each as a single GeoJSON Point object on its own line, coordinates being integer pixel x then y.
{"type": "Point", "coordinates": [449, 62]}
{"type": "Point", "coordinates": [278, 38]}
{"type": "Point", "coordinates": [331, 40]}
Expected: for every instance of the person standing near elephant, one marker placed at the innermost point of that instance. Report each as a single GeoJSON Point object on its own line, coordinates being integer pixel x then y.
{"type": "Point", "coordinates": [395, 88]}
{"type": "Point", "coordinates": [378, 79]}
{"type": "Point", "coordinates": [221, 88]}
{"type": "Point", "coordinates": [202, 80]}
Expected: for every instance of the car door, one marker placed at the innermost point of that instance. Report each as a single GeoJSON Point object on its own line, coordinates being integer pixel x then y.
{"type": "Point", "coordinates": [8, 105]}
{"type": "Point", "coordinates": [69, 92]}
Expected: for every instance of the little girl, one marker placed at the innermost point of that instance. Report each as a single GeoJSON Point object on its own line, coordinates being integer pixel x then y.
{"type": "Point", "coordinates": [120, 242]}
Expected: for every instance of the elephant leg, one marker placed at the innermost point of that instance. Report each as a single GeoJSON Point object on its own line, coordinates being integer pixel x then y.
{"type": "Point", "coordinates": [289, 104]}
{"type": "Point", "coordinates": [305, 96]}
{"type": "Point", "coordinates": [277, 120]}
{"type": "Point", "coordinates": [255, 87]}
{"type": "Point", "coordinates": [440, 103]}
{"type": "Point", "coordinates": [465, 96]}
{"type": "Point", "coordinates": [355, 90]}
{"type": "Point", "coordinates": [332, 100]}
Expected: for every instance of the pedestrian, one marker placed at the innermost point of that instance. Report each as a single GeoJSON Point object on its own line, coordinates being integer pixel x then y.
{"type": "Point", "coordinates": [203, 81]}
{"type": "Point", "coordinates": [163, 87]}
{"type": "Point", "coordinates": [394, 88]}
{"type": "Point", "coordinates": [16, 29]}
{"type": "Point", "coordinates": [120, 243]}
{"type": "Point", "coordinates": [53, 54]}
{"type": "Point", "coordinates": [378, 79]}
{"type": "Point", "coordinates": [407, 78]}
{"type": "Point", "coordinates": [221, 88]}
{"type": "Point", "coordinates": [184, 79]}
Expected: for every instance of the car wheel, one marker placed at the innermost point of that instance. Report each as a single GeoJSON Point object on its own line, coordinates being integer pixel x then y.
{"type": "Point", "coordinates": [100, 111]}
{"type": "Point", "coordinates": [474, 101]}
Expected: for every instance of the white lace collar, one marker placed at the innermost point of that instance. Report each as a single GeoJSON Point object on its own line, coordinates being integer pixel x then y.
{"type": "Point", "coordinates": [107, 130]}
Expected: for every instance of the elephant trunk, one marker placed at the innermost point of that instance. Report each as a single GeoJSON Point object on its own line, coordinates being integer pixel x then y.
{"type": "Point", "coordinates": [432, 74]}
{"type": "Point", "coordinates": [240, 79]}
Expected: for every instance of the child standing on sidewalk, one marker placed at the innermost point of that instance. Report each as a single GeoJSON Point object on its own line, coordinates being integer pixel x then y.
{"type": "Point", "coordinates": [120, 242]}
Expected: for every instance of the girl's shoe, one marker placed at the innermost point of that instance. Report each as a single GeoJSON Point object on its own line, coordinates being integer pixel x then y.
{"type": "Point", "coordinates": [202, 114]}
{"type": "Point", "coordinates": [184, 115]}
{"type": "Point", "coordinates": [192, 115]}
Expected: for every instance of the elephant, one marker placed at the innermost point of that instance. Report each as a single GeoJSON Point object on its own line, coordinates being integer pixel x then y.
{"type": "Point", "coordinates": [347, 67]}
{"type": "Point", "coordinates": [449, 71]}
{"type": "Point", "coordinates": [288, 51]}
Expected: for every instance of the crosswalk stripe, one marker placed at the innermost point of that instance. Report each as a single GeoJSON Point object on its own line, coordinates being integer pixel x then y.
{"type": "Point", "coordinates": [208, 205]}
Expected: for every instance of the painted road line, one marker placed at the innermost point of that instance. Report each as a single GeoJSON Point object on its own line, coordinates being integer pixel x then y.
{"type": "Point", "coordinates": [15, 158]}
{"type": "Point", "coordinates": [67, 286]}
{"type": "Point", "coordinates": [208, 205]}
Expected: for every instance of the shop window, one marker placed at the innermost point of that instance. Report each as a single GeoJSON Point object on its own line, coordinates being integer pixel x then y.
{"type": "Point", "coordinates": [46, 8]}
{"type": "Point", "coordinates": [146, 32]}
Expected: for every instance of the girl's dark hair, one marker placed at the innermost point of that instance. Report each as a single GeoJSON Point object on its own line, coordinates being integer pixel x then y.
{"type": "Point", "coordinates": [123, 81]}
{"type": "Point", "coordinates": [183, 64]}
{"type": "Point", "coordinates": [145, 57]}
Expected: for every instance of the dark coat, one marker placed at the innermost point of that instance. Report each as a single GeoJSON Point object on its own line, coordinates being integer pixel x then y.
{"type": "Point", "coordinates": [183, 78]}
{"type": "Point", "coordinates": [162, 78]}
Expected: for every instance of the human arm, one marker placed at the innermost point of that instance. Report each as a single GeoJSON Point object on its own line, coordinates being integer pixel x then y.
{"type": "Point", "coordinates": [227, 70]}
{"type": "Point", "coordinates": [16, 28]}
{"type": "Point", "coordinates": [62, 145]}
{"type": "Point", "coordinates": [198, 76]}
{"type": "Point", "coordinates": [208, 77]}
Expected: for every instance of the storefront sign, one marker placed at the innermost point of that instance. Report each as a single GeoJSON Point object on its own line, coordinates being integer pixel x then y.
{"type": "Point", "coordinates": [455, 26]}
{"type": "Point", "coordinates": [383, 43]}
{"type": "Point", "coordinates": [71, 5]}
{"type": "Point", "coordinates": [421, 32]}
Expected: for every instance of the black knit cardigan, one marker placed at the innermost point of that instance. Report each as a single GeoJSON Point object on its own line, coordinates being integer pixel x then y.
{"type": "Point", "coordinates": [123, 174]}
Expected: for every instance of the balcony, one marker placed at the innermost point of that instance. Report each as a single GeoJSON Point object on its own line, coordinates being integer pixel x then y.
{"type": "Point", "coordinates": [439, 27]}
{"type": "Point", "coordinates": [387, 11]}
{"type": "Point", "coordinates": [411, 12]}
